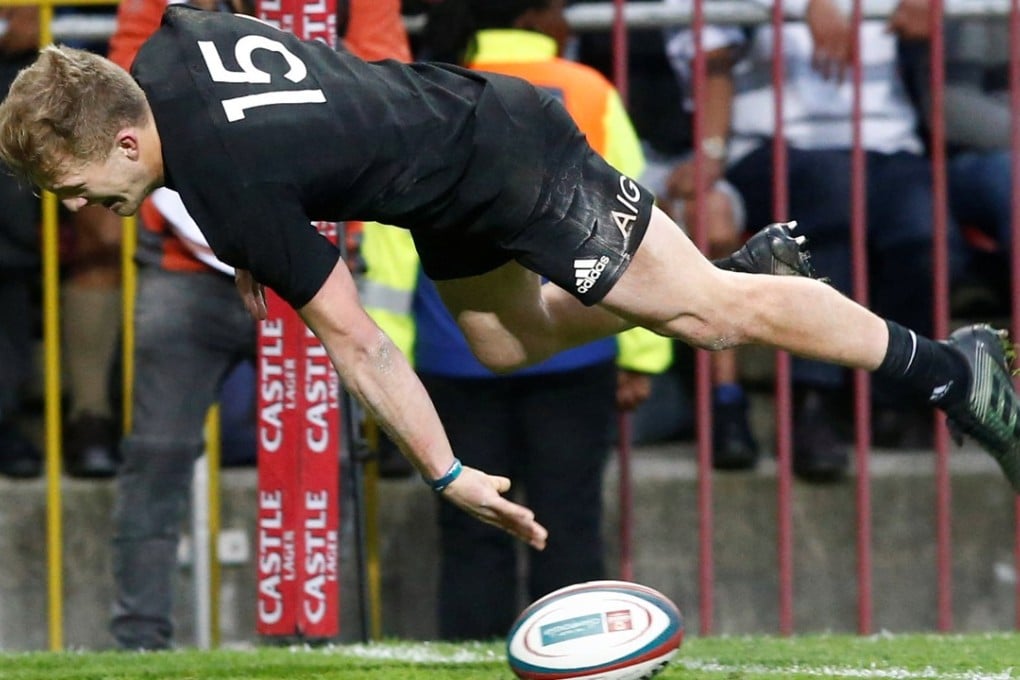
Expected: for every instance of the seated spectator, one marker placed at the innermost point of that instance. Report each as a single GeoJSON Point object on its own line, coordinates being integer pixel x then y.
{"type": "Point", "coordinates": [977, 118]}
{"type": "Point", "coordinates": [19, 265]}
{"type": "Point", "coordinates": [818, 110]}
{"type": "Point", "coordinates": [659, 107]}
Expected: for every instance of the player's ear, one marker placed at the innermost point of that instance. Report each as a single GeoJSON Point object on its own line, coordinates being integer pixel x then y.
{"type": "Point", "coordinates": [127, 142]}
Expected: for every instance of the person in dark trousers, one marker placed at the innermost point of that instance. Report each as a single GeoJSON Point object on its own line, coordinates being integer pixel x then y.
{"type": "Point", "coordinates": [548, 426]}
{"type": "Point", "coordinates": [19, 266]}
{"type": "Point", "coordinates": [499, 190]}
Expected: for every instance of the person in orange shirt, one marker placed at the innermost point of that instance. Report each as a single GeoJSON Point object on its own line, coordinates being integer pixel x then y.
{"type": "Point", "coordinates": [190, 333]}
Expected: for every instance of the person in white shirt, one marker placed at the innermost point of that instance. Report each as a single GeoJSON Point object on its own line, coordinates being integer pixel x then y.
{"type": "Point", "coordinates": [817, 125]}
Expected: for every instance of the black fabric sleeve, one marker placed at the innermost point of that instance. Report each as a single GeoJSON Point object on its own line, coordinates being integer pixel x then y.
{"type": "Point", "coordinates": [264, 229]}
{"type": "Point", "coordinates": [284, 250]}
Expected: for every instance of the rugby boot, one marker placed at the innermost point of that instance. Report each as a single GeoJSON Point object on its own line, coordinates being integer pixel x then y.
{"type": "Point", "coordinates": [772, 250]}
{"type": "Point", "coordinates": [991, 413]}
{"type": "Point", "coordinates": [820, 455]}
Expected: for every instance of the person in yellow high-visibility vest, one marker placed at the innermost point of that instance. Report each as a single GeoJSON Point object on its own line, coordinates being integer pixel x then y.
{"type": "Point", "coordinates": [548, 426]}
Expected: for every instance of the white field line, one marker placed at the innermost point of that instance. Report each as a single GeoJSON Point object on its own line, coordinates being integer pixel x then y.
{"type": "Point", "coordinates": [873, 673]}
{"type": "Point", "coordinates": [426, 654]}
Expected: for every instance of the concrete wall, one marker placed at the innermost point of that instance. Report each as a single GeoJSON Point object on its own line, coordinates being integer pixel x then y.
{"type": "Point", "coordinates": [665, 552]}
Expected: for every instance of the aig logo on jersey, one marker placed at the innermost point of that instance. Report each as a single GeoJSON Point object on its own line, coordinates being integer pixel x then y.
{"type": "Point", "coordinates": [627, 197]}
{"type": "Point", "coordinates": [588, 271]}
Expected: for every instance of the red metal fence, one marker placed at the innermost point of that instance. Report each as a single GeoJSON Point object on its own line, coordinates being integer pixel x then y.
{"type": "Point", "coordinates": [861, 382]}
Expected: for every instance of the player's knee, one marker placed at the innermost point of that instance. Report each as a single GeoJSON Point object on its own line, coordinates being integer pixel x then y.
{"type": "Point", "coordinates": [720, 320]}
{"type": "Point", "coordinates": [501, 362]}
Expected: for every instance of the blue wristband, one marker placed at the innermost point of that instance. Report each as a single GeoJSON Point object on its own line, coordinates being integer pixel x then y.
{"type": "Point", "coordinates": [447, 479]}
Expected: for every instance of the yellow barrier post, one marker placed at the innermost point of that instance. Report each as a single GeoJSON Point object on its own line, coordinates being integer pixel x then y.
{"type": "Point", "coordinates": [213, 455]}
{"type": "Point", "coordinates": [51, 345]}
{"type": "Point", "coordinates": [129, 288]}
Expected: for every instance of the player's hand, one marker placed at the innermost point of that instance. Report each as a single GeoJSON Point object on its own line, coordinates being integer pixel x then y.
{"type": "Point", "coordinates": [479, 495]}
{"type": "Point", "coordinates": [832, 35]}
{"type": "Point", "coordinates": [680, 185]}
{"type": "Point", "coordinates": [253, 295]}
{"type": "Point", "coordinates": [632, 388]}
{"type": "Point", "coordinates": [911, 20]}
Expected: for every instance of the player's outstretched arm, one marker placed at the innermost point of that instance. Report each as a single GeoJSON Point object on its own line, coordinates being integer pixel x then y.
{"type": "Point", "coordinates": [376, 374]}
{"type": "Point", "coordinates": [479, 494]}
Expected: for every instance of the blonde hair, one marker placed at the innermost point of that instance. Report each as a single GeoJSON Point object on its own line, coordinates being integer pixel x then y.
{"type": "Point", "coordinates": [66, 107]}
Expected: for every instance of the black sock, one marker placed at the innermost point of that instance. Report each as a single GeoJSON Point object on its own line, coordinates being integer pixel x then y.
{"type": "Point", "coordinates": [924, 369]}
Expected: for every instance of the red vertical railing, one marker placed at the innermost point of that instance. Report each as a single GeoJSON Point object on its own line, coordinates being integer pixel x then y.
{"type": "Point", "coordinates": [619, 34]}
{"type": "Point", "coordinates": [1014, 98]}
{"type": "Point", "coordinates": [784, 418]}
{"type": "Point", "coordinates": [862, 379]}
{"type": "Point", "coordinates": [860, 286]}
{"type": "Point", "coordinates": [621, 82]}
{"type": "Point", "coordinates": [703, 372]}
{"type": "Point", "coordinates": [940, 314]}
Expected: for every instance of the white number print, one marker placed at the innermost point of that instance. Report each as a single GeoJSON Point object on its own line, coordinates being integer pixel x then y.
{"type": "Point", "coordinates": [236, 107]}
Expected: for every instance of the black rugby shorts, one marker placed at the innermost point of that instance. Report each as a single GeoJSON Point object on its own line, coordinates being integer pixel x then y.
{"type": "Point", "coordinates": [579, 229]}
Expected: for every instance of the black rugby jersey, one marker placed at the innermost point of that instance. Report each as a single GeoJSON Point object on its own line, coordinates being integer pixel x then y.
{"type": "Point", "coordinates": [262, 132]}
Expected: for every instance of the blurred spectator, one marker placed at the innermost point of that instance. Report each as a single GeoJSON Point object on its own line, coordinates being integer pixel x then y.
{"type": "Point", "coordinates": [659, 106]}
{"type": "Point", "coordinates": [193, 340]}
{"type": "Point", "coordinates": [733, 444]}
{"type": "Point", "coordinates": [90, 305]}
{"type": "Point", "coordinates": [19, 263]}
{"type": "Point", "coordinates": [548, 426]}
{"type": "Point", "coordinates": [977, 119]}
{"type": "Point", "coordinates": [189, 333]}
{"type": "Point", "coordinates": [817, 125]}
{"type": "Point", "coordinates": [90, 323]}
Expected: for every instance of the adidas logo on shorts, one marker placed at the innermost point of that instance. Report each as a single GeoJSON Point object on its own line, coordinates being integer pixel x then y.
{"type": "Point", "coordinates": [588, 271]}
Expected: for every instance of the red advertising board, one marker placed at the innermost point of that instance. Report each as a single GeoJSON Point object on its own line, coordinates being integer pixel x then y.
{"type": "Point", "coordinates": [299, 435]}
{"type": "Point", "coordinates": [279, 462]}
{"type": "Point", "coordinates": [315, 20]}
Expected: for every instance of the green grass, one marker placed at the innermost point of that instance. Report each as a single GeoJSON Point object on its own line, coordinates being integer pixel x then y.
{"type": "Point", "coordinates": [904, 657]}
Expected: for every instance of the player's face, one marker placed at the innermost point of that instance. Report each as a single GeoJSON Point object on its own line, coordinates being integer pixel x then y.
{"type": "Point", "coordinates": [118, 183]}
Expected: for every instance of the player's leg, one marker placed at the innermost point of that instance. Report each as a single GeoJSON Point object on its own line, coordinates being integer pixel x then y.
{"type": "Point", "coordinates": [671, 288]}
{"type": "Point", "coordinates": [508, 325]}
{"type": "Point", "coordinates": [968, 376]}
{"type": "Point", "coordinates": [511, 319]}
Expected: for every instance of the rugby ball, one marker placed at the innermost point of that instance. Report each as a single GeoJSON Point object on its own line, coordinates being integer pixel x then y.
{"type": "Point", "coordinates": [599, 630]}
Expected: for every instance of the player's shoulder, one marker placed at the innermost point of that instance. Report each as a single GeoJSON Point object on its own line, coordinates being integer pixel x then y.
{"type": "Point", "coordinates": [191, 21]}
{"type": "Point", "coordinates": [175, 18]}
{"type": "Point", "coordinates": [157, 57]}
{"type": "Point", "coordinates": [180, 16]}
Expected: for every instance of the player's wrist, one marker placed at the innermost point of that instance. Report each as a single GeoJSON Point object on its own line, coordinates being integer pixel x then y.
{"type": "Point", "coordinates": [448, 477]}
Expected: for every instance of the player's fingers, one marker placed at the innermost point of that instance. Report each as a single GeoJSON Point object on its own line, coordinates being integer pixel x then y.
{"type": "Point", "coordinates": [261, 310]}
{"type": "Point", "coordinates": [520, 522]}
{"type": "Point", "coordinates": [500, 484]}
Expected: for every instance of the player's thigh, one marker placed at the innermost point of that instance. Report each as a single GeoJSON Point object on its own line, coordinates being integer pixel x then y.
{"type": "Point", "coordinates": [508, 298]}
{"type": "Point", "coordinates": [668, 278]}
